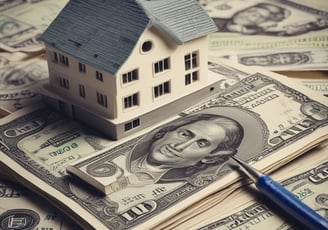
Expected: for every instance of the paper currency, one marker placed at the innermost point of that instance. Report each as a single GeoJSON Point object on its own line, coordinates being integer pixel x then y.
{"type": "Point", "coordinates": [317, 85]}
{"type": "Point", "coordinates": [54, 140]}
{"type": "Point", "coordinates": [277, 24]}
{"type": "Point", "coordinates": [310, 186]}
{"type": "Point", "coordinates": [6, 4]}
{"type": "Point", "coordinates": [23, 22]}
{"type": "Point", "coordinates": [278, 123]}
{"type": "Point", "coordinates": [22, 209]}
{"type": "Point", "coordinates": [7, 58]}
{"type": "Point", "coordinates": [232, 199]}
{"type": "Point", "coordinates": [19, 82]}
{"type": "Point", "coordinates": [279, 60]}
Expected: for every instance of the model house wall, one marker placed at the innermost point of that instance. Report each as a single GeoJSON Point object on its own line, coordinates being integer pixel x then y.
{"type": "Point", "coordinates": [164, 64]}
{"type": "Point", "coordinates": [122, 71]}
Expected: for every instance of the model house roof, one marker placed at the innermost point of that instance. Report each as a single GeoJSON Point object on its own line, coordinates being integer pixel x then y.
{"type": "Point", "coordinates": [103, 33]}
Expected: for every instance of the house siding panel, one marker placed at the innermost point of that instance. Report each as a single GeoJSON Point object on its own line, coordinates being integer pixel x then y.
{"type": "Point", "coordinates": [147, 79]}
{"type": "Point", "coordinates": [88, 79]}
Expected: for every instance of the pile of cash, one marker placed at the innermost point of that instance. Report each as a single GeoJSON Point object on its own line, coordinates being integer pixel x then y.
{"type": "Point", "coordinates": [56, 173]}
{"type": "Point", "coordinates": [277, 35]}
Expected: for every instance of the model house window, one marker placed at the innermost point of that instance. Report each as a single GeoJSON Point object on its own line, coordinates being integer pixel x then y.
{"type": "Point", "coordinates": [146, 46]}
{"type": "Point", "coordinates": [99, 76]}
{"type": "Point", "coordinates": [130, 76]}
{"type": "Point", "coordinates": [82, 91]}
{"type": "Point", "coordinates": [162, 65]}
{"type": "Point", "coordinates": [82, 68]}
{"type": "Point", "coordinates": [132, 100]}
{"type": "Point", "coordinates": [191, 67]}
{"type": "Point", "coordinates": [162, 89]}
{"type": "Point", "coordinates": [133, 124]}
{"type": "Point", "coordinates": [102, 99]}
{"type": "Point", "coordinates": [191, 60]}
{"type": "Point", "coordinates": [191, 77]}
{"type": "Point", "coordinates": [63, 59]}
{"type": "Point", "coordinates": [55, 57]}
{"type": "Point", "coordinates": [63, 82]}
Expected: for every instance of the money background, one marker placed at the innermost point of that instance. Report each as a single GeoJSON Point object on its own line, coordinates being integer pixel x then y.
{"type": "Point", "coordinates": [279, 39]}
{"type": "Point", "coordinates": [56, 149]}
{"type": "Point", "coordinates": [305, 177]}
{"type": "Point", "coordinates": [22, 53]}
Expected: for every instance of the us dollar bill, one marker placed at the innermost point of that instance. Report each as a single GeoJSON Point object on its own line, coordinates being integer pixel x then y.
{"type": "Point", "coordinates": [309, 186]}
{"type": "Point", "coordinates": [6, 4]}
{"type": "Point", "coordinates": [276, 24]}
{"type": "Point", "coordinates": [278, 60]}
{"type": "Point", "coordinates": [53, 140]}
{"type": "Point", "coordinates": [148, 166]}
{"type": "Point", "coordinates": [232, 199]}
{"type": "Point", "coordinates": [272, 121]}
{"type": "Point", "coordinates": [22, 209]}
{"type": "Point", "coordinates": [23, 23]}
{"type": "Point", "coordinates": [317, 85]}
{"type": "Point", "coordinates": [19, 82]}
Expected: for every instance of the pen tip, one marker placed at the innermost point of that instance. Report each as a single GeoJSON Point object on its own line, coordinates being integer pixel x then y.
{"type": "Point", "coordinates": [240, 163]}
{"type": "Point", "coordinates": [251, 172]}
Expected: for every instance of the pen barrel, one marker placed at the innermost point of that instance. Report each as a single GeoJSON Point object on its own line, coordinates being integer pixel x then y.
{"type": "Point", "coordinates": [291, 204]}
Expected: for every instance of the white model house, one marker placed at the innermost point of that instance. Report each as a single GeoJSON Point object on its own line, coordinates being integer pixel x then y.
{"type": "Point", "coordinates": [122, 65]}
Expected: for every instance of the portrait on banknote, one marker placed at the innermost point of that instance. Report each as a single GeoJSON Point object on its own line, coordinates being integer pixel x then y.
{"type": "Point", "coordinates": [179, 150]}
{"type": "Point", "coordinates": [188, 145]}
{"type": "Point", "coordinates": [193, 149]}
{"type": "Point", "coordinates": [273, 18]}
{"type": "Point", "coordinates": [267, 116]}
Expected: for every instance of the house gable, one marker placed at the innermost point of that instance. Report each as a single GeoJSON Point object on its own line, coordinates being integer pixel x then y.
{"type": "Point", "coordinates": [162, 67]}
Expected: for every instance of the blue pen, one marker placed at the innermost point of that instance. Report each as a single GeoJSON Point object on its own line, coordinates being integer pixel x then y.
{"type": "Point", "coordinates": [284, 199]}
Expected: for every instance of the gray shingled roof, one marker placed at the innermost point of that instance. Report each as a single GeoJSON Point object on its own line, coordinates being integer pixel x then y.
{"type": "Point", "coordinates": [182, 20]}
{"type": "Point", "coordinates": [103, 33]}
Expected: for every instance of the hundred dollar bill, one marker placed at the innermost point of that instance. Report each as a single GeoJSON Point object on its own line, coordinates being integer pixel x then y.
{"type": "Point", "coordinates": [22, 209]}
{"type": "Point", "coordinates": [317, 85]}
{"type": "Point", "coordinates": [6, 4]}
{"type": "Point", "coordinates": [309, 186]}
{"type": "Point", "coordinates": [276, 24]}
{"type": "Point", "coordinates": [19, 82]}
{"type": "Point", "coordinates": [7, 58]}
{"type": "Point", "coordinates": [228, 201]}
{"type": "Point", "coordinates": [278, 60]}
{"type": "Point", "coordinates": [53, 140]}
{"type": "Point", "coordinates": [21, 25]}
{"type": "Point", "coordinates": [260, 116]}
{"type": "Point", "coordinates": [184, 153]}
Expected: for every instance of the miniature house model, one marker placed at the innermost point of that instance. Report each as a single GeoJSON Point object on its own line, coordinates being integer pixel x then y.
{"type": "Point", "coordinates": [123, 65]}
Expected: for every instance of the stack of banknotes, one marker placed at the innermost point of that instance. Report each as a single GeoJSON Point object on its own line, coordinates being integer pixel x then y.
{"type": "Point", "coordinates": [278, 35]}
{"type": "Point", "coordinates": [56, 173]}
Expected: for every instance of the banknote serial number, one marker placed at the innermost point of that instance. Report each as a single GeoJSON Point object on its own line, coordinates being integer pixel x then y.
{"type": "Point", "coordinates": [302, 194]}
{"type": "Point", "coordinates": [64, 149]}
{"type": "Point", "coordinates": [132, 199]}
